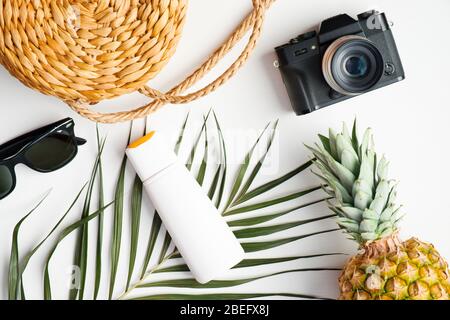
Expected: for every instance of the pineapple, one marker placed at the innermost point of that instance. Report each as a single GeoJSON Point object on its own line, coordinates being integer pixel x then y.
{"type": "Point", "coordinates": [364, 203]}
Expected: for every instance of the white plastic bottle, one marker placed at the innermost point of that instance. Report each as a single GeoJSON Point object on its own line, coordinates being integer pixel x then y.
{"type": "Point", "coordinates": [200, 233]}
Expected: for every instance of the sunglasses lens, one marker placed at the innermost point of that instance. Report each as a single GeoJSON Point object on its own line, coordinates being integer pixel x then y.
{"type": "Point", "coordinates": [6, 181]}
{"type": "Point", "coordinates": [52, 152]}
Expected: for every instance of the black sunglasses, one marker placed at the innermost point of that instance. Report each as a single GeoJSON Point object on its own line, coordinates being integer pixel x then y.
{"type": "Point", "coordinates": [45, 149]}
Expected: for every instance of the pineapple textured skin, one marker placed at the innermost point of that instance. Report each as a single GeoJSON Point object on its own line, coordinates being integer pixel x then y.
{"type": "Point", "coordinates": [413, 270]}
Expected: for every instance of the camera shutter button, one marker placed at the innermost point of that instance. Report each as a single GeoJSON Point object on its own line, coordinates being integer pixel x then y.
{"type": "Point", "coordinates": [389, 68]}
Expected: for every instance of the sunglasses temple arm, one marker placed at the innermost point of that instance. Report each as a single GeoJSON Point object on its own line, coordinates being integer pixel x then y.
{"type": "Point", "coordinates": [80, 141]}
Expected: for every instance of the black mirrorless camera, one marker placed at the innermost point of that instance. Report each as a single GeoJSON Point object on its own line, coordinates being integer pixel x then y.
{"type": "Point", "coordinates": [347, 58]}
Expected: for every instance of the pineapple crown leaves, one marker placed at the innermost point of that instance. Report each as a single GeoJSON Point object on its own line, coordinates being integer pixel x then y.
{"type": "Point", "coordinates": [364, 197]}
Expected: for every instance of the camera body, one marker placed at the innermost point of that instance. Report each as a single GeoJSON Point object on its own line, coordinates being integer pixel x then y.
{"type": "Point", "coordinates": [346, 58]}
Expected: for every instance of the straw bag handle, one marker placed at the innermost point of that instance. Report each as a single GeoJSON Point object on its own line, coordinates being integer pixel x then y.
{"type": "Point", "coordinates": [254, 21]}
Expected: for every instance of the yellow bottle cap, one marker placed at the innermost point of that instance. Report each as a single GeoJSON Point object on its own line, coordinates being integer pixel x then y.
{"type": "Point", "coordinates": [150, 154]}
{"type": "Point", "coordinates": [141, 140]}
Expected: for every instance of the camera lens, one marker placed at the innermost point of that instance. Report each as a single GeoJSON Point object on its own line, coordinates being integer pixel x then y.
{"type": "Point", "coordinates": [357, 66]}
{"type": "Point", "coordinates": [352, 65]}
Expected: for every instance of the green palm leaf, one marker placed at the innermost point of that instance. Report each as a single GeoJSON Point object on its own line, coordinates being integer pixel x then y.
{"type": "Point", "coordinates": [15, 277]}
{"type": "Point", "coordinates": [81, 254]}
{"type": "Point", "coordinates": [250, 262]}
{"type": "Point", "coordinates": [256, 169]}
{"type": "Point", "coordinates": [224, 296]}
{"type": "Point", "coordinates": [26, 259]}
{"type": "Point", "coordinates": [242, 170]}
{"type": "Point", "coordinates": [181, 135]}
{"type": "Point", "coordinates": [265, 245]}
{"type": "Point", "coordinates": [223, 162]}
{"type": "Point", "coordinates": [193, 284]}
{"type": "Point", "coordinates": [237, 202]}
{"type": "Point", "coordinates": [101, 204]}
{"type": "Point", "coordinates": [202, 170]}
{"type": "Point", "coordinates": [240, 191]}
{"type": "Point", "coordinates": [267, 261]}
{"type": "Point", "coordinates": [214, 183]}
{"type": "Point", "coordinates": [156, 226]}
{"type": "Point", "coordinates": [68, 230]}
{"type": "Point", "coordinates": [264, 231]}
{"type": "Point", "coordinates": [136, 210]}
{"type": "Point", "coordinates": [191, 158]}
{"type": "Point", "coordinates": [272, 202]}
{"type": "Point", "coordinates": [136, 205]}
{"type": "Point", "coordinates": [273, 184]}
{"type": "Point", "coordinates": [117, 224]}
{"type": "Point", "coordinates": [266, 218]}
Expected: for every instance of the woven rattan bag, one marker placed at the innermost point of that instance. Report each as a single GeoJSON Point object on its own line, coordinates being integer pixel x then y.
{"type": "Point", "coordinates": [87, 51]}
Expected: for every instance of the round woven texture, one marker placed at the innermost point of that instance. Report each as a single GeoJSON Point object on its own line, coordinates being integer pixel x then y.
{"type": "Point", "coordinates": [88, 50]}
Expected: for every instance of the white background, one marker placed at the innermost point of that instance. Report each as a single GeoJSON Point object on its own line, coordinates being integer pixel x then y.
{"type": "Point", "coordinates": [410, 121]}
